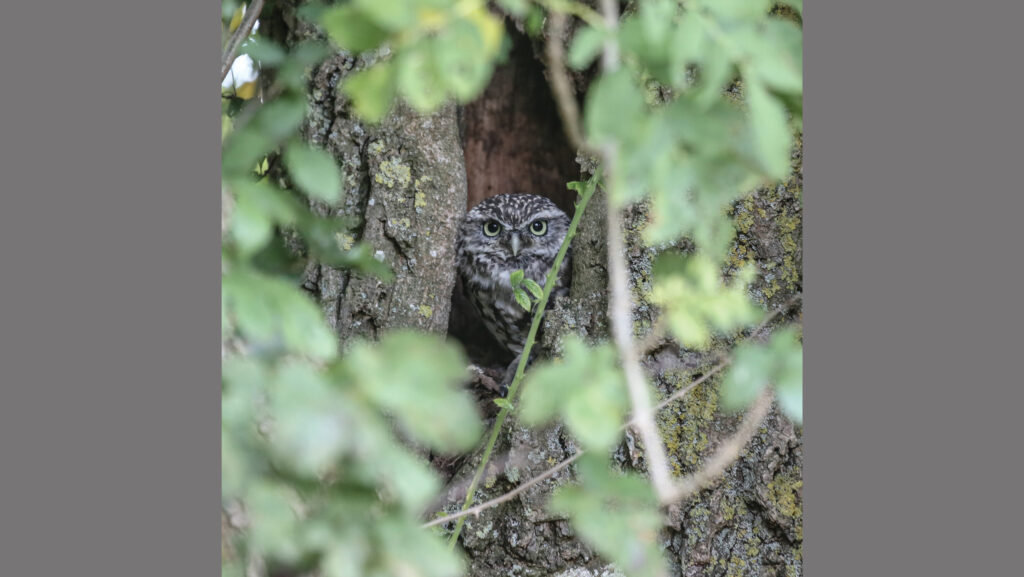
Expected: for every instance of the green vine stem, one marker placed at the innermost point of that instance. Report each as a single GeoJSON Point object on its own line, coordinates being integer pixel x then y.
{"type": "Point", "coordinates": [587, 191]}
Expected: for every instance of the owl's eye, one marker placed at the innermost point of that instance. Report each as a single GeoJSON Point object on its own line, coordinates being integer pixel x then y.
{"type": "Point", "coordinates": [492, 228]}
{"type": "Point", "coordinates": [539, 227]}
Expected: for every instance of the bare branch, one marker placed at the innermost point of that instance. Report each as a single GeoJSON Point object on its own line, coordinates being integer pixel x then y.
{"type": "Point", "coordinates": [507, 496]}
{"type": "Point", "coordinates": [252, 12]}
{"type": "Point", "coordinates": [610, 54]}
{"type": "Point", "coordinates": [561, 87]}
{"type": "Point", "coordinates": [620, 313]}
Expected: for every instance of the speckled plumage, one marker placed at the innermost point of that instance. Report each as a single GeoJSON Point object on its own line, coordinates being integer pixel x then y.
{"type": "Point", "coordinates": [486, 262]}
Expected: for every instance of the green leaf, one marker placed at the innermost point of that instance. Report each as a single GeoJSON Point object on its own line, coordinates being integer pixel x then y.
{"type": "Point", "coordinates": [772, 139]}
{"type": "Point", "coordinates": [406, 479]}
{"type": "Point", "coordinates": [687, 43]}
{"type": "Point", "coordinates": [789, 372]}
{"type": "Point", "coordinates": [516, 278]}
{"type": "Point", "coordinates": [351, 29]}
{"type": "Point", "coordinates": [746, 378]}
{"type": "Point", "coordinates": [615, 107]}
{"type": "Point", "coordinates": [251, 227]}
{"type": "Point", "coordinates": [534, 288]}
{"type": "Point", "coordinates": [314, 172]}
{"type": "Point", "coordinates": [346, 554]}
{"type": "Point", "coordinates": [716, 70]}
{"type": "Point", "coordinates": [277, 204]}
{"type": "Point", "coordinates": [393, 15]}
{"type": "Point", "coordinates": [535, 21]}
{"type": "Point", "coordinates": [409, 551]}
{"type": "Point", "coordinates": [586, 387]}
{"type": "Point", "coordinates": [462, 55]}
{"type": "Point", "coordinates": [418, 377]}
{"type": "Point", "coordinates": [234, 469]}
{"type": "Point", "coordinates": [694, 300]}
{"type": "Point", "coordinates": [372, 91]}
{"type": "Point", "coordinates": [778, 362]}
{"type": "Point", "coordinates": [273, 524]}
{"type": "Point", "coordinates": [515, 7]}
{"type": "Point", "coordinates": [777, 56]}
{"type": "Point", "coordinates": [312, 424]}
{"type": "Point", "coordinates": [616, 514]}
{"type": "Point", "coordinates": [420, 82]}
{"type": "Point", "coordinates": [586, 45]}
{"type": "Point", "coordinates": [280, 118]}
{"type": "Point", "coordinates": [242, 150]}
{"type": "Point", "coordinates": [269, 310]}
{"type": "Point", "coordinates": [522, 298]}
{"type": "Point", "coordinates": [738, 9]}
{"type": "Point", "coordinates": [264, 51]}
{"type": "Point", "coordinates": [504, 403]}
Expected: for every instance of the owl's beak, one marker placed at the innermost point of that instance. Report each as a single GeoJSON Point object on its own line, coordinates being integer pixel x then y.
{"type": "Point", "coordinates": [515, 244]}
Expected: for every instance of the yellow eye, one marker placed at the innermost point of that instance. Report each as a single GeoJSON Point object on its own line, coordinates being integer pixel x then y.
{"type": "Point", "coordinates": [492, 228]}
{"type": "Point", "coordinates": [539, 227]}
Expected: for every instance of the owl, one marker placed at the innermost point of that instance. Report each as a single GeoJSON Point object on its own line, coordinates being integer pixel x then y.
{"type": "Point", "coordinates": [502, 234]}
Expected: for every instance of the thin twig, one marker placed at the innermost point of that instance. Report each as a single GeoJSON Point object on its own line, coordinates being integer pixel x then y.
{"type": "Point", "coordinates": [716, 465]}
{"type": "Point", "coordinates": [507, 496]}
{"type": "Point", "coordinates": [252, 12]}
{"type": "Point", "coordinates": [679, 394]}
{"type": "Point", "coordinates": [610, 54]}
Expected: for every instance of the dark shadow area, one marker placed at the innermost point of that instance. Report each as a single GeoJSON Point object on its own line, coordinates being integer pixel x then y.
{"type": "Point", "coordinates": [512, 135]}
{"type": "Point", "coordinates": [513, 142]}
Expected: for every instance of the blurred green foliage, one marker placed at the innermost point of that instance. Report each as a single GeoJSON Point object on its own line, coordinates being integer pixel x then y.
{"type": "Point", "coordinates": [703, 110]}
{"type": "Point", "coordinates": [314, 473]}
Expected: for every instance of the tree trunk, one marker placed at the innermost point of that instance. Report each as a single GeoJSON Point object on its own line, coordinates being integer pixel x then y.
{"type": "Point", "coordinates": [406, 192]}
{"type": "Point", "coordinates": [405, 183]}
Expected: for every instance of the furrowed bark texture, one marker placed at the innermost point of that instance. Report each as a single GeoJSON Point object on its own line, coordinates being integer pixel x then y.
{"type": "Point", "coordinates": [405, 195]}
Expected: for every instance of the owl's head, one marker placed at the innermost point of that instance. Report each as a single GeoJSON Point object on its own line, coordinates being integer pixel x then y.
{"type": "Point", "coordinates": [515, 228]}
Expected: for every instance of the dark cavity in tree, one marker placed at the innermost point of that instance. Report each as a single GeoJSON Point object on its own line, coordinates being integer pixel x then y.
{"type": "Point", "coordinates": [512, 135]}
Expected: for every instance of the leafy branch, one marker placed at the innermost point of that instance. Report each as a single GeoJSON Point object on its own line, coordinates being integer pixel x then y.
{"type": "Point", "coordinates": [586, 192]}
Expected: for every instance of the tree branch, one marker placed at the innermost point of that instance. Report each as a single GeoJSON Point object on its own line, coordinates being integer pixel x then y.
{"type": "Point", "coordinates": [477, 509]}
{"type": "Point", "coordinates": [252, 12]}
{"type": "Point", "coordinates": [561, 87]}
{"type": "Point", "coordinates": [507, 496]}
{"type": "Point", "coordinates": [620, 313]}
